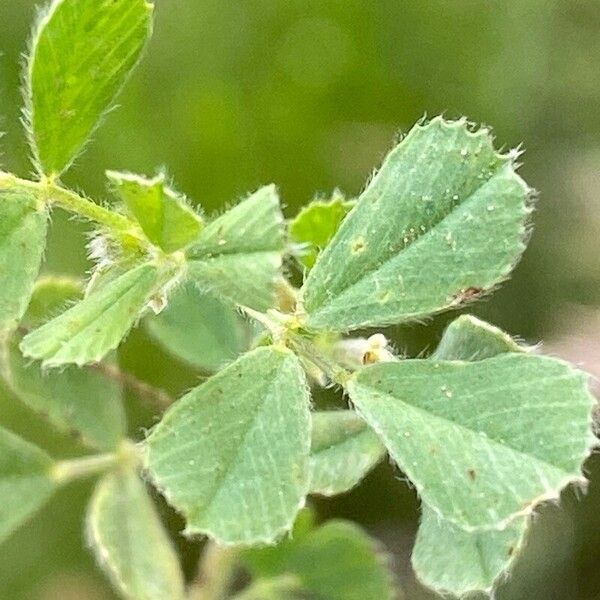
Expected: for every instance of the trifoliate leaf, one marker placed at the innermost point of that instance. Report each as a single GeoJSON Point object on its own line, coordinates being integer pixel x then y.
{"type": "Point", "coordinates": [452, 560]}
{"type": "Point", "coordinates": [471, 561]}
{"type": "Point", "coordinates": [469, 338]}
{"type": "Point", "coordinates": [232, 455]}
{"type": "Point", "coordinates": [82, 51]}
{"type": "Point", "coordinates": [442, 222]}
{"type": "Point", "coordinates": [200, 328]}
{"type": "Point", "coordinates": [26, 481]}
{"type": "Point", "coordinates": [23, 225]}
{"type": "Point", "coordinates": [483, 442]}
{"type": "Point", "coordinates": [239, 254]}
{"type": "Point", "coordinates": [79, 401]}
{"type": "Point", "coordinates": [344, 449]}
{"type": "Point", "coordinates": [95, 326]}
{"type": "Point", "coordinates": [164, 216]}
{"type": "Point", "coordinates": [337, 561]}
{"type": "Point", "coordinates": [130, 542]}
{"type": "Point", "coordinates": [315, 225]}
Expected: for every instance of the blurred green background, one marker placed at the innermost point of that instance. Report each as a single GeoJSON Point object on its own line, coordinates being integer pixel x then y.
{"type": "Point", "coordinates": [310, 95]}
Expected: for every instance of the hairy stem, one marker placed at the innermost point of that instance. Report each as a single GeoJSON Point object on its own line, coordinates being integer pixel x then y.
{"type": "Point", "coordinates": [50, 192]}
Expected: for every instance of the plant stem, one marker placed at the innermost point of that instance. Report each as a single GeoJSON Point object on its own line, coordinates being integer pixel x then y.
{"type": "Point", "coordinates": [128, 455]}
{"type": "Point", "coordinates": [215, 573]}
{"type": "Point", "coordinates": [78, 468]}
{"type": "Point", "coordinates": [144, 391]}
{"type": "Point", "coordinates": [52, 193]}
{"type": "Point", "coordinates": [304, 347]}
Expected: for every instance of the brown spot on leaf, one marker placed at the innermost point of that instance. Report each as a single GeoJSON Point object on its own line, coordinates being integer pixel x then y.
{"type": "Point", "coordinates": [467, 294]}
{"type": "Point", "coordinates": [358, 245]}
{"type": "Point", "coordinates": [472, 474]}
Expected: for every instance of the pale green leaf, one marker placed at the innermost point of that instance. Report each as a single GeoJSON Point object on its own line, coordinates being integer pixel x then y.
{"type": "Point", "coordinates": [483, 442]}
{"type": "Point", "coordinates": [200, 329]}
{"type": "Point", "coordinates": [315, 225]}
{"type": "Point", "coordinates": [26, 481]}
{"type": "Point", "coordinates": [130, 542]}
{"type": "Point", "coordinates": [344, 449]}
{"type": "Point", "coordinates": [337, 561]}
{"type": "Point", "coordinates": [23, 225]}
{"type": "Point", "coordinates": [82, 51]}
{"type": "Point", "coordinates": [469, 338]}
{"type": "Point", "coordinates": [233, 454]}
{"type": "Point", "coordinates": [51, 295]}
{"type": "Point", "coordinates": [452, 560]}
{"type": "Point", "coordinates": [80, 401]}
{"type": "Point", "coordinates": [163, 214]}
{"type": "Point", "coordinates": [471, 561]}
{"type": "Point", "coordinates": [442, 222]}
{"type": "Point", "coordinates": [239, 254]}
{"type": "Point", "coordinates": [95, 326]}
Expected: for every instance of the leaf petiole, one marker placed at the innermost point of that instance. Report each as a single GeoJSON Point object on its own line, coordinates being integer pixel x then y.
{"type": "Point", "coordinates": [68, 470]}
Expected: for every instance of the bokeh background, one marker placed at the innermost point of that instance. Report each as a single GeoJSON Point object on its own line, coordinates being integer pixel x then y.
{"type": "Point", "coordinates": [310, 95]}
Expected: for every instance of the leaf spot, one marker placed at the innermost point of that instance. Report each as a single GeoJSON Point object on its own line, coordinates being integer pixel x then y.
{"type": "Point", "coordinates": [358, 245]}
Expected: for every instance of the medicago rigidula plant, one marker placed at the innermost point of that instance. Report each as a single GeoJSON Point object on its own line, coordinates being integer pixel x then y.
{"type": "Point", "coordinates": [484, 428]}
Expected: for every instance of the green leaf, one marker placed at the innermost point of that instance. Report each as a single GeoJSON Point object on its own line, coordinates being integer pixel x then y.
{"type": "Point", "coordinates": [452, 560]}
{"type": "Point", "coordinates": [79, 401]}
{"type": "Point", "coordinates": [483, 442]}
{"type": "Point", "coordinates": [82, 402]}
{"type": "Point", "coordinates": [316, 224]}
{"type": "Point", "coordinates": [25, 481]}
{"type": "Point", "coordinates": [337, 561]}
{"type": "Point", "coordinates": [232, 455]}
{"type": "Point", "coordinates": [23, 226]}
{"type": "Point", "coordinates": [442, 222]}
{"type": "Point", "coordinates": [266, 561]}
{"type": "Point", "coordinates": [130, 542]}
{"type": "Point", "coordinates": [200, 329]}
{"type": "Point", "coordinates": [344, 449]}
{"type": "Point", "coordinates": [82, 52]}
{"type": "Point", "coordinates": [163, 214]}
{"type": "Point", "coordinates": [239, 254]}
{"type": "Point", "coordinates": [471, 561]}
{"type": "Point", "coordinates": [468, 338]}
{"type": "Point", "coordinates": [95, 326]}
{"type": "Point", "coordinates": [51, 294]}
